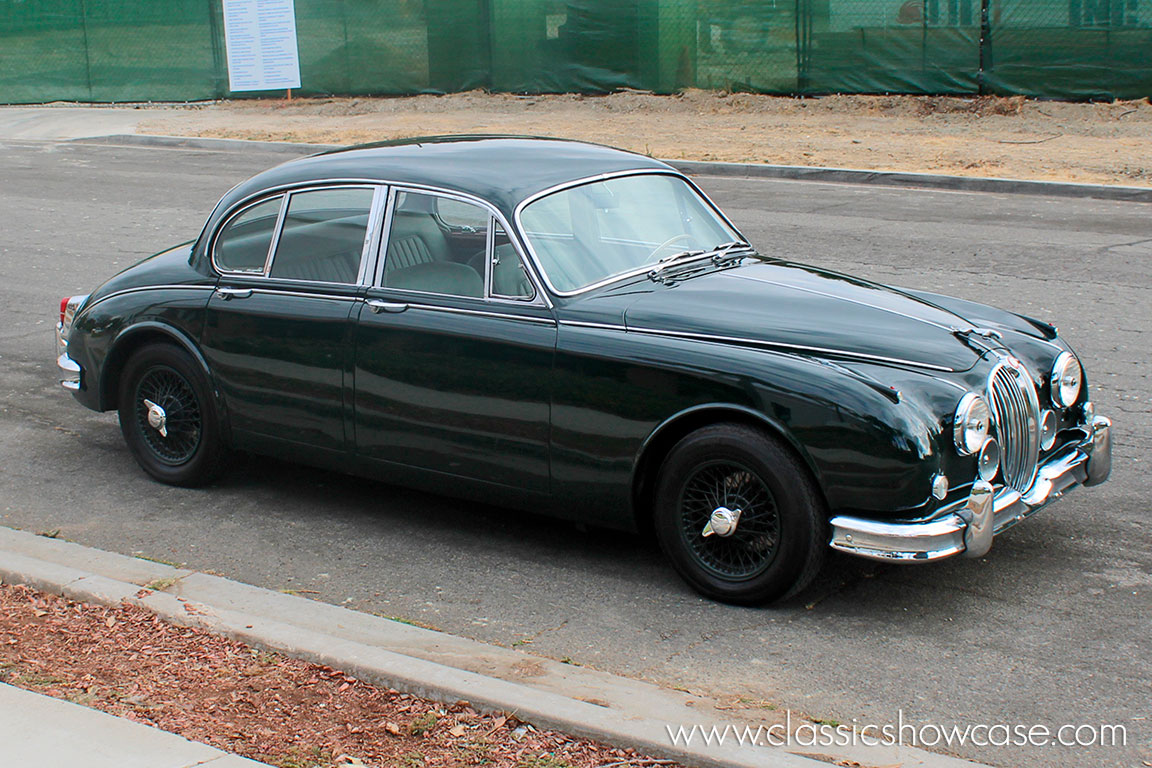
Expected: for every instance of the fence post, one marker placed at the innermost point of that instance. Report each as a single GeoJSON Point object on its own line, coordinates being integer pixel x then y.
{"type": "Point", "coordinates": [985, 48]}
{"type": "Point", "coordinates": [219, 67]}
{"type": "Point", "coordinates": [87, 50]}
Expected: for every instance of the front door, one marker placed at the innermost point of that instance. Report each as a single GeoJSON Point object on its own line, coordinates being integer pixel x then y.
{"type": "Point", "coordinates": [454, 348]}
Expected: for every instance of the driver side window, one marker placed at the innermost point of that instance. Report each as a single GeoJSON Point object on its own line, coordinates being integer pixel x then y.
{"type": "Point", "coordinates": [450, 247]}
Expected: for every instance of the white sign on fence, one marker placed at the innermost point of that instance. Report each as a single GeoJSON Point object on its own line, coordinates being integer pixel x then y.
{"type": "Point", "coordinates": [260, 38]}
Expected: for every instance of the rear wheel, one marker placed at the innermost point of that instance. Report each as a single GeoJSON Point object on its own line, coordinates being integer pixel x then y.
{"type": "Point", "coordinates": [168, 417]}
{"type": "Point", "coordinates": [739, 516]}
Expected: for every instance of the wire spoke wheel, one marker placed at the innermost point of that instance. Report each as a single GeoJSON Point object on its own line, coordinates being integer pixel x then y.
{"type": "Point", "coordinates": [750, 547]}
{"type": "Point", "coordinates": [168, 415]}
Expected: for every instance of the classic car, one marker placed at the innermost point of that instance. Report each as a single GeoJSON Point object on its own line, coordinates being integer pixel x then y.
{"type": "Point", "coordinates": [579, 331]}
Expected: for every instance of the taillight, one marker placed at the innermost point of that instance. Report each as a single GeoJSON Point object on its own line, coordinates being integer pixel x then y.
{"type": "Point", "coordinates": [68, 307]}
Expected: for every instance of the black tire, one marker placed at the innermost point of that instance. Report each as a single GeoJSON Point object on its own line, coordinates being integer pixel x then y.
{"type": "Point", "coordinates": [192, 452]}
{"type": "Point", "coordinates": [780, 540]}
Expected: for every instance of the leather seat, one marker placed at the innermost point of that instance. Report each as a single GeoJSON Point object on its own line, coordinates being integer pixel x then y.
{"type": "Point", "coordinates": [415, 238]}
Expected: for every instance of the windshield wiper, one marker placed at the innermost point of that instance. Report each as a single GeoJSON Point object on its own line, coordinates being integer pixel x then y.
{"type": "Point", "coordinates": [717, 254]}
{"type": "Point", "coordinates": [722, 250]}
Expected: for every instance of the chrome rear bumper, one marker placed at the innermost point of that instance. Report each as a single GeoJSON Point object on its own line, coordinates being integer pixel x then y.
{"type": "Point", "coordinates": [969, 526]}
{"type": "Point", "coordinates": [69, 368]}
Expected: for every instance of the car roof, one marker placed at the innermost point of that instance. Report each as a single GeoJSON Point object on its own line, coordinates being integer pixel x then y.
{"type": "Point", "coordinates": [504, 170]}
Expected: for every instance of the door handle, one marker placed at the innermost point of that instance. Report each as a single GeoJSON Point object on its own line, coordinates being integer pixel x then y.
{"type": "Point", "coordinates": [233, 293]}
{"type": "Point", "coordinates": [378, 306]}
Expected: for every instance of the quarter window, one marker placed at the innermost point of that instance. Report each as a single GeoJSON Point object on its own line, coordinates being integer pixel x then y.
{"type": "Point", "coordinates": [323, 235]}
{"type": "Point", "coordinates": [242, 245]}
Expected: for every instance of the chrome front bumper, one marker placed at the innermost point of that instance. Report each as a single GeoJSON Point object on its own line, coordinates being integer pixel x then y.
{"type": "Point", "coordinates": [968, 526]}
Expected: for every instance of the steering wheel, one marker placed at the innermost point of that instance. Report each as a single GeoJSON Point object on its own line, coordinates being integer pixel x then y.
{"type": "Point", "coordinates": [670, 241]}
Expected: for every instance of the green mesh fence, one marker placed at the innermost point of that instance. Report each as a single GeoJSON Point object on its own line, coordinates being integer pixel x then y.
{"type": "Point", "coordinates": [138, 50]}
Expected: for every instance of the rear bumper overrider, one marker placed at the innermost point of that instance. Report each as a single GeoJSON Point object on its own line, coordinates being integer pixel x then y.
{"type": "Point", "coordinates": [968, 526]}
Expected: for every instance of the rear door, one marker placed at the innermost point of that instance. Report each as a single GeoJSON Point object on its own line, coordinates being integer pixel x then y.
{"type": "Point", "coordinates": [279, 325]}
{"type": "Point", "coordinates": [454, 349]}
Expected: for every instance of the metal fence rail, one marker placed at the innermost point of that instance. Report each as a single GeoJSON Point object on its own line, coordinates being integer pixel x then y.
{"type": "Point", "coordinates": [138, 50]}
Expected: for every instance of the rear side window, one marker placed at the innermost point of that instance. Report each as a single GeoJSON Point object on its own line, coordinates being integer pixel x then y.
{"type": "Point", "coordinates": [243, 243]}
{"type": "Point", "coordinates": [323, 235]}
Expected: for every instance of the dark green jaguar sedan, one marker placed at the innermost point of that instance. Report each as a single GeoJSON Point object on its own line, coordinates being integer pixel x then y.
{"type": "Point", "coordinates": [579, 331]}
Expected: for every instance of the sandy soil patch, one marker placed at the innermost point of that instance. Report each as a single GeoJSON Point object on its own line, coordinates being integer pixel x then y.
{"type": "Point", "coordinates": [985, 136]}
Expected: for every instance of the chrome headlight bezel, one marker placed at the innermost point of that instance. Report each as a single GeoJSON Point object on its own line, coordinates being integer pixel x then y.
{"type": "Point", "coordinates": [1065, 380]}
{"type": "Point", "coordinates": [971, 424]}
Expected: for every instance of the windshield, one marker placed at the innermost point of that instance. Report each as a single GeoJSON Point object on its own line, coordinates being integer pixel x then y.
{"type": "Point", "coordinates": [586, 234]}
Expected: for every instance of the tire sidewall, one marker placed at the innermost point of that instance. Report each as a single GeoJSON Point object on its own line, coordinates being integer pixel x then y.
{"type": "Point", "coordinates": [204, 462]}
{"type": "Point", "coordinates": [800, 515]}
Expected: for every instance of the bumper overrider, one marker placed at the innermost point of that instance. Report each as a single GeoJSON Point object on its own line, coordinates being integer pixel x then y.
{"type": "Point", "coordinates": [968, 526]}
{"type": "Point", "coordinates": [69, 368]}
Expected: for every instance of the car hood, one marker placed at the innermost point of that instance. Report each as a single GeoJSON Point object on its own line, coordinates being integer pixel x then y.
{"type": "Point", "coordinates": [805, 309]}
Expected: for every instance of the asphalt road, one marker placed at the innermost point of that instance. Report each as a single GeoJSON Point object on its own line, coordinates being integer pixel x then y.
{"type": "Point", "coordinates": [1053, 627]}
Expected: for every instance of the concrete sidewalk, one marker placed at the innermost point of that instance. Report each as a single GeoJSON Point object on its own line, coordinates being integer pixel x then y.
{"type": "Point", "coordinates": [42, 732]}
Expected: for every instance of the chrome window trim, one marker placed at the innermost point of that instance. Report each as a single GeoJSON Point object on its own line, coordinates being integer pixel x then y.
{"type": "Point", "coordinates": [590, 180]}
{"type": "Point", "coordinates": [237, 211]}
{"type": "Point", "coordinates": [533, 269]}
{"type": "Point", "coordinates": [371, 239]}
{"type": "Point", "coordinates": [288, 195]}
{"type": "Point", "coordinates": [538, 298]}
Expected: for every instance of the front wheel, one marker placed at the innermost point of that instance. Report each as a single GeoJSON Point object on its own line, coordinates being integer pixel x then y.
{"type": "Point", "coordinates": [739, 516]}
{"type": "Point", "coordinates": [168, 417]}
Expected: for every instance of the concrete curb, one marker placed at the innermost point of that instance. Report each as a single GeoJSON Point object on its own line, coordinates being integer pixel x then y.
{"type": "Point", "coordinates": [576, 700]}
{"type": "Point", "coordinates": [906, 179]}
{"type": "Point", "coordinates": [917, 180]}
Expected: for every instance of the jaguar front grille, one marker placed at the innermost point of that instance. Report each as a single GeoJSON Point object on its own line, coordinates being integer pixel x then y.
{"type": "Point", "coordinates": [1016, 410]}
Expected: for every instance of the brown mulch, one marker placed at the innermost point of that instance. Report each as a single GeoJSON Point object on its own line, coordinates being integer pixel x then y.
{"type": "Point", "coordinates": [127, 661]}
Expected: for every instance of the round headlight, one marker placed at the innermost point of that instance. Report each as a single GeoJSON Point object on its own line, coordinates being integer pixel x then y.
{"type": "Point", "coordinates": [1065, 379]}
{"type": "Point", "coordinates": [971, 424]}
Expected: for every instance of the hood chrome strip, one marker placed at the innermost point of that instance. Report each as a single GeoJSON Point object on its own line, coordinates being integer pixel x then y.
{"type": "Point", "coordinates": [898, 313]}
{"type": "Point", "coordinates": [774, 345]}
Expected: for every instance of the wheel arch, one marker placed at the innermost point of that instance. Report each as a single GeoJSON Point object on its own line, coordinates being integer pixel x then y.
{"type": "Point", "coordinates": [132, 339]}
{"type": "Point", "coordinates": [661, 440]}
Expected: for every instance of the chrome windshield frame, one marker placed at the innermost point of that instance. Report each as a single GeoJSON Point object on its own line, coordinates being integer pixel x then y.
{"type": "Point", "coordinates": [619, 276]}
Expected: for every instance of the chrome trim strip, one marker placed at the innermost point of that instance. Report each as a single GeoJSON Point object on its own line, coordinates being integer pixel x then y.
{"type": "Point", "coordinates": [586, 324]}
{"type": "Point", "coordinates": [307, 294]}
{"type": "Point", "coordinates": [481, 313]}
{"type": "Point", "coordinates": [281, 215]}
{"type": "Point", "coordinates": [753, 343]}
{"type": "Point", "coordinates": [139, 289]}
{"type": "Point", "coordinates": [898, 313]}
{"type": "Point", "coordinates": [790, 347]}
{"type": "Point", "coordinates": [382, 239]}
{"type": "Point", "coordinates": [516, 215]}
{"type": "Point", "coordinates": [372, 237]}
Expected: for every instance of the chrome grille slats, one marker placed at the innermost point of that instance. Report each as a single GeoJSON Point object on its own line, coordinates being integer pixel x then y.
{"type": "Point", "coordinates": [1016, 410]}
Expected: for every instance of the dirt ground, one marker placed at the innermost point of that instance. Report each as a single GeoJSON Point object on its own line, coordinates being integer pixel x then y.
{"type": "Point", "coordinates": [985, 136]}
{"type": "Point", "coordinates": [288, 713]}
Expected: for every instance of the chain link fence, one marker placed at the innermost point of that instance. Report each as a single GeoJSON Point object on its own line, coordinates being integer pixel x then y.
{"type": "Point", "coordinates": [173, 50]}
